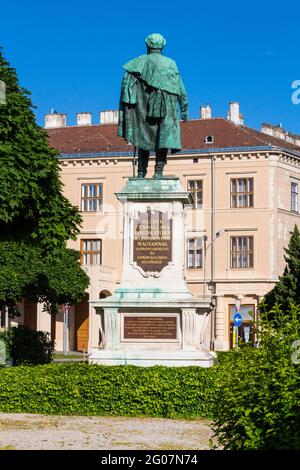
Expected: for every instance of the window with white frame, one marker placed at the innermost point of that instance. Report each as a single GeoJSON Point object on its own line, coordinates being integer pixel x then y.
{"type": "Point", "coordinates": [194, 253]}
{"type": "Point", "coordinates": [241, 252]}
{"type": "Point", "coordinates": [242, 192]}
{"type": "Point", "coordinates": [195, 186]}
{"type": "Point", "coordinates": [294, 196]}
{"type": "Point", "coordinates": [90, 252]}
{"type": "Point", "coordinates": [91, 197]}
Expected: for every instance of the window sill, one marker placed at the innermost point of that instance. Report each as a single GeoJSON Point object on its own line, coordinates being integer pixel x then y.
{"type": "Point", "coordinates": [91, 265]}
{"type": "Point", "coordinates": [194, 269]}
{"type": "Point", "coordinates": [91, 212]}
{"type": "Point", "coordinates": [241, 269]}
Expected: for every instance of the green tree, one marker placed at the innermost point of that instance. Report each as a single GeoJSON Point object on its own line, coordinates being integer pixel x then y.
{"type": "Point", "coordinates": [287, 290]}
{"type": "Point", "coordinates": [27, 347]}
{"type": "Point", "coordinates": [257, 391]}
{"type": "Point", "coordinates": [31, 199]}
{"type": "Point", "coordinates": [36, 219]}
{"type": "Point", "coordinates": [26, 271]}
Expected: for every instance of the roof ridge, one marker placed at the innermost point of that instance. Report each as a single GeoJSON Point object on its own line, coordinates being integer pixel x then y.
{"type": "Point", "coordinates": [258, 135]}
{"type": "Point", "coordinates": [98, 138]}
{"type": "Point", "coordinates": [115, 124]}
{"type": "Point", "coordinates": [264, 138]}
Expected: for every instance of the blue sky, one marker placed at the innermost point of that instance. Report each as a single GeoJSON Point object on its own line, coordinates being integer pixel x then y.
{"type": "Point", "coordinates": [69, 54]}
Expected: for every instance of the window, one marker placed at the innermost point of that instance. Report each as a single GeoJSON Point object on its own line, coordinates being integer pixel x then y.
{"type": "Point", "coordinates": [209, 139]}
{"type": "Point", "coordinates": [196, 188]}
{"type": "Point", "coordinates": [241, 252]}
{"type": "Point", "coordinates": [241, 192]}
{"type": "Point", "coordinates": [90, 251]}
{"type": "Point", "coordinates": [294, 196]}
{"type": "Point", "coordinates": [91, 197]}
{"type": "Point", "coordinates": [194, 253]}
{"type": "Point", "coordinates": [246, 330]}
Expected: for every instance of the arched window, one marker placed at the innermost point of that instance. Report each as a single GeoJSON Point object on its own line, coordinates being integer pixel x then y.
{"type": "Point", "coordinates": [104, 293]}
{"type": "Point", "coordinates": [209, 139]}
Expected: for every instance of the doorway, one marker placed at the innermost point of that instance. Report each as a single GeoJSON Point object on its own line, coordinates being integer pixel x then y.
{"type": "Point", "coordinates": [82, 325]}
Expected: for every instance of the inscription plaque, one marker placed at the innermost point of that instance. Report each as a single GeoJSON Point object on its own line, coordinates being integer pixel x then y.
{"type": "Point", "coordinates": [152, 245]}
{"type": "Point", "coordinates": [150, 327]}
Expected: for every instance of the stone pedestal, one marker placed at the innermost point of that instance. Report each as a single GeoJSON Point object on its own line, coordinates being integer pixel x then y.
{"type": "Point", "coordinates": [152, 318]}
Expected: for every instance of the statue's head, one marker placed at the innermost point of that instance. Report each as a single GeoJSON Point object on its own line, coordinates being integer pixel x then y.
{"type": "Point", "coordinates": [155, 41]}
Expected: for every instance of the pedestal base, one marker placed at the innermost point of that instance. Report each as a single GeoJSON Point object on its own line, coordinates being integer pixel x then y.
{"type": "Point", "coordinates": [152, 318]}
{"type": "Point", "coordinates": [149, 358]}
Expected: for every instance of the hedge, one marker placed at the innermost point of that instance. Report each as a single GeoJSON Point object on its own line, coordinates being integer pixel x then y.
{"type": "Point", "coordinates": [81, 389]}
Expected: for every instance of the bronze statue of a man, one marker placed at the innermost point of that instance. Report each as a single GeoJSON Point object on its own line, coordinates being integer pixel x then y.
{"type": "Point", "coordinates": [148, 117]}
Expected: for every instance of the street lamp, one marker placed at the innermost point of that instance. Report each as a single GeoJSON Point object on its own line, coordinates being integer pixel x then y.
{"type": "Point", "coordinates": [213, 286]}
{"type": "Point", "coordinates": [206, 247]}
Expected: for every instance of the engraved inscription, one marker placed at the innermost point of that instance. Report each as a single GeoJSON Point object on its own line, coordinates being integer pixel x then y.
{"type": "Point", "coordinates": [152, 249]}
{"type": "Point", "coordinates": [150, 327]}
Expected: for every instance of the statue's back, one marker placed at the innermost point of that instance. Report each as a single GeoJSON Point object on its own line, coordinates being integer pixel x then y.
{"type": "Point", "coordinates": [157, 71]}
{"type": "Point", "coordinates": [150, 94]}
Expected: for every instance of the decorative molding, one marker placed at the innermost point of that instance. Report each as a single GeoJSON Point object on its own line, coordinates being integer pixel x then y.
{"type": "Point", "coordinates": [91, 178]}
{"type": "Point", "coordinates": [241, 173]}
{"type": "Point", "coordinates": [195, 174]}
{"type": "Point", "coordinates": [196, 230]}
{"type": "Point", "coordinates": [233, 229]}
{"type": "Point", "coordinates": [289, 212]}
{"type": "Point", "coordinates": [92, 232]}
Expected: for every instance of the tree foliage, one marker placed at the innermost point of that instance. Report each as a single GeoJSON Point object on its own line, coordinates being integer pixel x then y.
{"type": "Point", "coordinates": [257, 391]}
{"type": "Point", "coordinates": [27, 272]}
{"type": "Point", "coordinates": [287, 290]}
{"type": "Point", "coordinates": [36, 219]}
{"type": "Point", "coordinates": [27, 347]}
{"type": "Point", "coordinates": [31, 198]}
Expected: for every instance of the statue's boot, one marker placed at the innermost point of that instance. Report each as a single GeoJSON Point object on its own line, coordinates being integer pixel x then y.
{"type": "Point", "coordinates": [143, 159]}
{"type": "Point", "coordinates": [160, 161]}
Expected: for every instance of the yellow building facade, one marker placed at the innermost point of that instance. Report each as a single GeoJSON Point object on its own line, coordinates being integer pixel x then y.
{"type": "Point", "coordinates": [245, 187]}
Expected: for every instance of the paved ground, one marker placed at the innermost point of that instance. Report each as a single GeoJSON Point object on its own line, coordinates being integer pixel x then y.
{"type": "Point", "coordinates": [28, 431]}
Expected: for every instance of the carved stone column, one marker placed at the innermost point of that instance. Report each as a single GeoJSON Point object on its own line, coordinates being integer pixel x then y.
{"type": "Point", "coordinates": [178, 234]}
{"type": "Point", "coordinates": [111, 329]}
{"type": "Point", "coordinates": [190, 332]}
{"type": "Point", "coordinates": [221, 342]}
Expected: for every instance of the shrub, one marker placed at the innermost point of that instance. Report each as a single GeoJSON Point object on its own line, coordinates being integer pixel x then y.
{"type": "Point", "coordinates": [257, 391]}
{"type": "Point", "coordinates": [81, 389]}
{"type": "Point", "coordinates": [25, 346]}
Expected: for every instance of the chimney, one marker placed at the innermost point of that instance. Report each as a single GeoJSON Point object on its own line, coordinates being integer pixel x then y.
{"type": "Point", "coordinates": [234, 114]}
{"type": "Point", "coordinates": [267, 129]}
{"type": "Point", "coordinates": [274, 131]}
{"type": "Point", "coordinates": [280, 133]}
{"type": "Point", "coordinates": [205, 112]}
{"type": "Point", "coordinates": [109, 117]}
{"type": "Point", "coordinates": [84, 119]}
{"type": "Point", "coordinates": [55, 120]}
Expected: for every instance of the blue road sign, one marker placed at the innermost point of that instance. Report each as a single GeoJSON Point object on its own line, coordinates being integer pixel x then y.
{"type": "Point", "coordinates": [237, 319]}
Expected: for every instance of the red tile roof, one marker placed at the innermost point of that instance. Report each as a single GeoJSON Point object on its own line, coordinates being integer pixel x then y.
{"type": "Point", "coordinates": [103, 138]}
